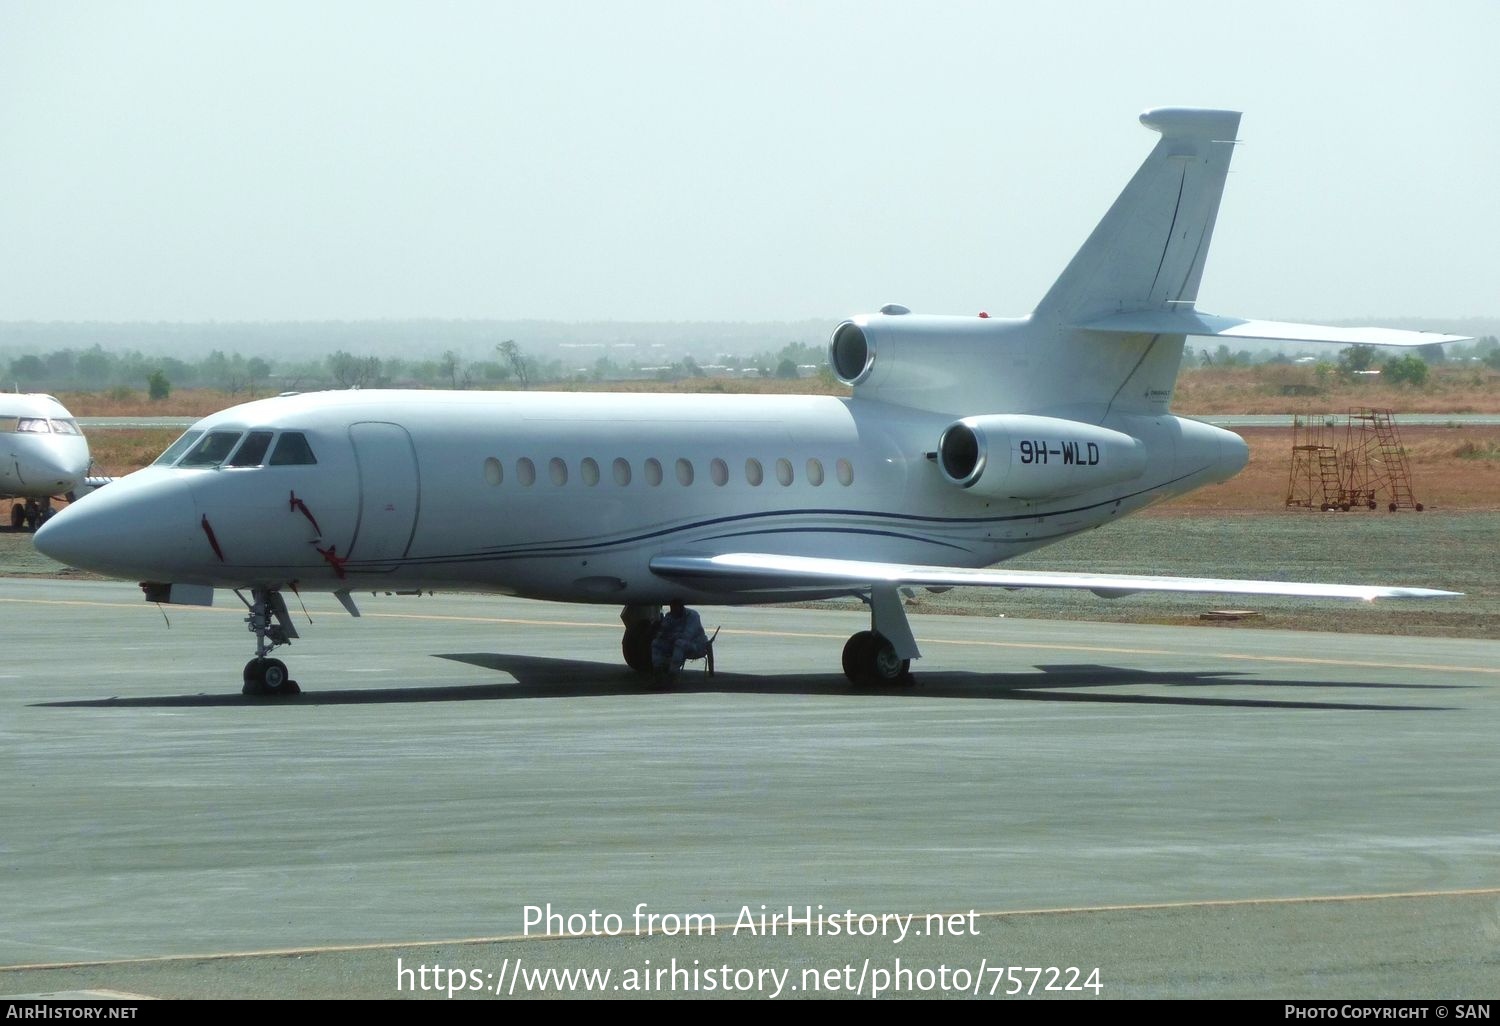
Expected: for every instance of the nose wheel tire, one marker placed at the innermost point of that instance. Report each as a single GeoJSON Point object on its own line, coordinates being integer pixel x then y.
{"type": "Point", "coordinates": [268, 677]}
{"type": "Point", "coordinates": [870, 660]}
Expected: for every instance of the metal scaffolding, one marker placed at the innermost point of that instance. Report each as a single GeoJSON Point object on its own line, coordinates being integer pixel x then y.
{"type": "Point", "coordinates": [1368, 469]}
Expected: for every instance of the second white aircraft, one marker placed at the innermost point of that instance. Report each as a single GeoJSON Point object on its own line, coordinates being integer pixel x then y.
{"type": "Point", "coordinates": [43, 454]}
{"type": "Point", "coordinates": [967, 441]}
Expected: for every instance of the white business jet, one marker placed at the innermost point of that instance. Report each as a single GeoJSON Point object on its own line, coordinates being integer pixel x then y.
{"type": "Point", "coordinates": [967, 441]}
{"type": "Point", "coordinates": [42, 454]}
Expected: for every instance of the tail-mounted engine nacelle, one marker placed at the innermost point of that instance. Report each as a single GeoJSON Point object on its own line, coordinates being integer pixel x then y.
{"type": "Point", "coordinates": [1025, 457]}
{"type": "Point", "coordinates": [914, 354]}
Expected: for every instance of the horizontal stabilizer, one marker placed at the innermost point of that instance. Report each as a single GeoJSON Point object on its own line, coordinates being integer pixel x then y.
{"type": "Point", "coordinates": [1190, 322]}
{"type": "Point", "coordinates": [760, 572]}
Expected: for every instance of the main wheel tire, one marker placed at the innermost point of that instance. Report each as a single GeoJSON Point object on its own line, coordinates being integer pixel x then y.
{"type": "Point", "coordinates": [870, 660]}
{"type": "Point", "coordinates": [17, 516]}
{"type": "Point", "coordinates": [636, 645]}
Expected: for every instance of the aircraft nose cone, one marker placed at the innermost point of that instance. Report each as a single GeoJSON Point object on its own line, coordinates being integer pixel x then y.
{"type": "Point", "coordinates": [131, 528]}
{"type": "Point", "coordinates": [80, 536]}
{"type": "Point", "coordinates": [54, 469]}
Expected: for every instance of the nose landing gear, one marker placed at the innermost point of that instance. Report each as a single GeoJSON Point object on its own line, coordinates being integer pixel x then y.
{"type": "Point", "coordinates": [272, 625]}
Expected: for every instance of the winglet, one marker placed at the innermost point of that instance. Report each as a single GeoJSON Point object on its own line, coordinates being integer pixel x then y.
{"type": "Point", "coordinates": [1215, 125]}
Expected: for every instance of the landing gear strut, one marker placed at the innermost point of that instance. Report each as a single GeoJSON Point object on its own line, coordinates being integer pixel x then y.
{"type": "Point", "coordinates": [272, 625]}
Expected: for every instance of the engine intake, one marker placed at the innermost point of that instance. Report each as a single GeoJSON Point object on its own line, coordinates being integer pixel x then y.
{"type": "Point", "coordinates": [849, 353]}
{"type": "Point", "coordinates": [914, 359]}
{"type": "Point", "coordinates": [1022, 456]}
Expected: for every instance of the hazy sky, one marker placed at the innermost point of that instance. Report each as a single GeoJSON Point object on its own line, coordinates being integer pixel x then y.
{"type": "Point", "coordinates": [711, 160]}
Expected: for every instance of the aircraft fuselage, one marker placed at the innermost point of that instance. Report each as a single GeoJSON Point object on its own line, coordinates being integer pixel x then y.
{"type": "Point", "coordinates": [568, 496]}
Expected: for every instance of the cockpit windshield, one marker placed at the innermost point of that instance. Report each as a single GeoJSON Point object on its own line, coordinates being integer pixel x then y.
{"type": "Point", "coordinates": [39, 426]}
{"type": "Point", "coordinates": [240, 449]}
{"type": "Point", "coordinates": [211, 450]}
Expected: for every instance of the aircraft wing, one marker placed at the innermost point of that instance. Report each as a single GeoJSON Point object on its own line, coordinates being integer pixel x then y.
{"type": "Point", "coordinates": [1191, 322]}
{"type": "Point", "coordinates": [762, 573]}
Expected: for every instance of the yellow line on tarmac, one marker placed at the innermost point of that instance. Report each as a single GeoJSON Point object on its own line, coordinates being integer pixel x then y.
{"type": "Point", "coordinates": [78, 602]}
{"type": "Point", "coordinates": [1439, 667]}
{"type": "Point", "coordinates": [1055, 648]}
{"type": "Point", "coordinates": [749, 632]}
{"type": "Point", "coordinates": [488, 619]}
{"type": "Point", "coordinates": [1316, 899]}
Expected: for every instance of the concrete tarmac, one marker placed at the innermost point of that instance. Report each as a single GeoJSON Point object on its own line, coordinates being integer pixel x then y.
{"type": "Point", "coordinates": [1194, 812]}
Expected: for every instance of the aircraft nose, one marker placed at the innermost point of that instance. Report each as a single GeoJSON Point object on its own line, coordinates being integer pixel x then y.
{"type": "Point", "coordinates": [56, 469]}
{"type": "Point", "coordinates": [138, 527]}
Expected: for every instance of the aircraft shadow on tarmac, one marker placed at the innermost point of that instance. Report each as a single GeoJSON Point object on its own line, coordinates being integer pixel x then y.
{"type": "Point", "coordinates": [544, 677]}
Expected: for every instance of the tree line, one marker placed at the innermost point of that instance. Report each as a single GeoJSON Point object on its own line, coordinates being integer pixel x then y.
{"type": "Point", "coordinates": [96, 369]}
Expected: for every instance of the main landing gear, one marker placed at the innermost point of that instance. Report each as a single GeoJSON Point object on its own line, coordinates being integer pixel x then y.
{"type": "Point", "coordinates": [878, 657]}
{"type": "Point", "coordinates": [272, 625]}
{"type": "Point", "coordinates": [882, 655]}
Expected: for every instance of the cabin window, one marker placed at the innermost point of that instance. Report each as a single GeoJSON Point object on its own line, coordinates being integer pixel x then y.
{"type": "Point", "coordinates": [557, 469]}
{"type": "Point", "coordinates": [653, 472]}
{"type": "Point", "coordinates": [845, 471]}
{"type": "Point", "coordinates": [493, 472]}
{"type": "Point", "coordinates": [590, 471]}
{"type": "Point", "coordinates": [177, 448]}
{"type": "Point", "coordinates": [252, 453]}
{"type": "Point", "coordinates": [292, 450]}
{"type": "Point", "coordinates": [211, 450]}
{"type": "Point", "coordinates": [684, 472]}
{"type": "Point", "coordinates": [622, 471]}
{"type": "Point", "coordinates": [719, 471]}
{"type": "Point", "coordinates": [525, 472]}
{"type": "Point", "coordinates": [753, 472]}
{"type": "Point", "coordinates": [784, 471]}
{"type": "Point", "coordinates": [814, 472]}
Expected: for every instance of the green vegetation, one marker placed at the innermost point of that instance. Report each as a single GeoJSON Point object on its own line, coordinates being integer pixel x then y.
{"type": "Point", "coordinates": [510, 363]}
{"type": "Point", "coordinates": [1405, 370]}
{"type": "Point", "coordinates": [158, 386]}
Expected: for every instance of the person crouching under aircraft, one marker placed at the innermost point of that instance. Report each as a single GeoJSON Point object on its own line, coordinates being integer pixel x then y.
{"type": "Point", "coordinates": [679, 637]}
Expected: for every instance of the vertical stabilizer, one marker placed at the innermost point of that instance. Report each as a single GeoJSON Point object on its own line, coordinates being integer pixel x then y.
{"type": "Point", "coordinates": [1148, 251]}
